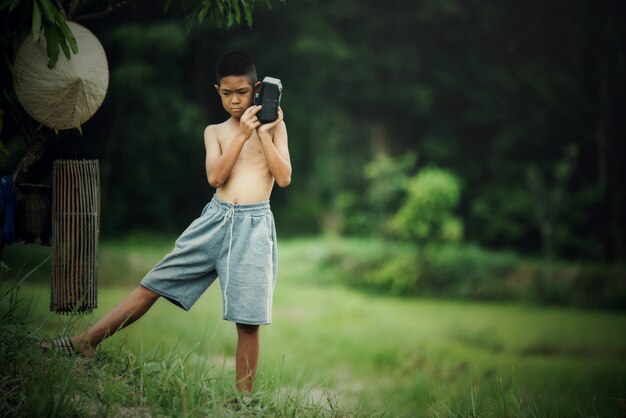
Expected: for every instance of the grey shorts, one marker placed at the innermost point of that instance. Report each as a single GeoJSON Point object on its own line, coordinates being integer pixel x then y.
{"type": "Point", "coordinates": [236, 243]}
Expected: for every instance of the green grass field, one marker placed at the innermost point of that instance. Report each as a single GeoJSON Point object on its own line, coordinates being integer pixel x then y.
{"type": "Point", "coordinates": [345, 351]}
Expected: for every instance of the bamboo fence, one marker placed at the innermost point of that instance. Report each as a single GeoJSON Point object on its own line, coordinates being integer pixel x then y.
{"type": "Point", "coordinates": [75, 229]}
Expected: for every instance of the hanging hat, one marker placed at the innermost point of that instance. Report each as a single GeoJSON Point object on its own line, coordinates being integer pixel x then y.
{"type": "Point", "coordinates": [67, 95]}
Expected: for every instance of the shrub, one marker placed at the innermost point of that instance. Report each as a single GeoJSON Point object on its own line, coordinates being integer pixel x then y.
{"type": "Point", "coordinates": [471, 272]}
{"type": "Point", "coordinates": [427, 213]}
{"type": "Point", "coordinates": [589, 285]}
{"type": "Point", "coordinates": [467, 272]}
{"type": "Point", "coordinates": [387, 179]}
{"type": "Point", "coordinates": [399, 276]}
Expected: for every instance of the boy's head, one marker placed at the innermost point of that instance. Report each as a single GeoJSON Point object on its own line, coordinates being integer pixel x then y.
{"type": "Point", "coordinates": [236, 82]}
{"type": "Point", "coordinates": [236, 63]}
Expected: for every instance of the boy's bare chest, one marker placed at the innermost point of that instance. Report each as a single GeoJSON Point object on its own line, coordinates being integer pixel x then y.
{"type": "Point", "coordinates": [252, 151]}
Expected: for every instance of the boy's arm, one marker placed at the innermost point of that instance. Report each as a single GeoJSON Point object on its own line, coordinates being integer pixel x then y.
{"type": "Point", "coordinates": [273, 138]}
{"type": "Point", "coordinates": [220, 164]}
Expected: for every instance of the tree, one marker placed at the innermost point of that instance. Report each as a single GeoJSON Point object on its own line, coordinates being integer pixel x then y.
{"type": "Point", "coordinates": [484, 88]}
{"type": "Point", "coordinates": [426, 216]}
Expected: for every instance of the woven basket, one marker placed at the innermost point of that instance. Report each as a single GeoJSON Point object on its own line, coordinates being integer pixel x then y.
{"type": "Point", "coordinates": [33, 220]}
{"type": "Point", "coordinates": [75, 227]}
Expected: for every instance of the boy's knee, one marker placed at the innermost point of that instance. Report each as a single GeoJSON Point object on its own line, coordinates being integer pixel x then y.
{"type": "Point", "coordinates": [247, 329]}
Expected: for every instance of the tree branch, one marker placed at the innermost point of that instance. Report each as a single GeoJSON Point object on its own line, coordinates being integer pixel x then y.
{"type": "Point", "coordinates": [37, 141]}
{"type": "Point", "coordinates": [32, 157]}
{"type": "Point", "coordinates": [61, 9]}
{"type": "Point", "coordinates": [103, 13]}
{"type": "Point", "coordinates": [18, 119]}
{"type": "Point", "coordinates": [72, 10]}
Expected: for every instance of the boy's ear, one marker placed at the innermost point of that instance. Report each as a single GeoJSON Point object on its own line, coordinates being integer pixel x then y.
{"type": "Point", "coordinates": [257, 86]}
{"type": "Point", "coordinates": [217, 88]}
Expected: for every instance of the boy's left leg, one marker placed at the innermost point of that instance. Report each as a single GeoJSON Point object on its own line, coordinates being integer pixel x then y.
{"type": "Point", "coordinates": [247, 356]}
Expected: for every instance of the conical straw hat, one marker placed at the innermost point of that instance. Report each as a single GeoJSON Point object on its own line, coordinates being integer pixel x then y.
{"type": "Point", "coordinates": [67, 95]}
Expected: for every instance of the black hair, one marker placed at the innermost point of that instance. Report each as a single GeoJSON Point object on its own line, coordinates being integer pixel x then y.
{"type": "Point", "coordinates": [235, 63]}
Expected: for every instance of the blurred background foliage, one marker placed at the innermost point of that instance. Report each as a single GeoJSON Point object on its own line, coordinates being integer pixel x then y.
{"type": "Point", "coordinates": [483, 125]}
{"type": "Point", "coordinates": [452, 149]}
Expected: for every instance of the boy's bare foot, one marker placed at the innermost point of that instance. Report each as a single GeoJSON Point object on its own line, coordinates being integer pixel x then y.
{"type": "Point", "coordinates": [69, 346]}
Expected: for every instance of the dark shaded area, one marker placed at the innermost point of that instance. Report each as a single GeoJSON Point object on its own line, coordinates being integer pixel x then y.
{"type": "Point", "coordinates": [523, 102]}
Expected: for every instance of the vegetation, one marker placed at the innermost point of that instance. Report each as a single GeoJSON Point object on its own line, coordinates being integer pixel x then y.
{"type": "Point", "coordinates": [519, 103]}
{"type": "Point", "coordinates": [473, 273]}
{"type": "Point", "coordinates": [457, 165]}
{"type": "Point", "coordinates": [433, 260]}
{"type": "Point", "coordinates": [362, 354]}
{"type": "Point", "coordinates": [426, 216]}
{"type": "Point", "coordinates": [119, 381]}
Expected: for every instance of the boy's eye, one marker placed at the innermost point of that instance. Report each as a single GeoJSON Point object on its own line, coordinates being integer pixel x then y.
{"type": "Point", "coordinates": [242, 91]}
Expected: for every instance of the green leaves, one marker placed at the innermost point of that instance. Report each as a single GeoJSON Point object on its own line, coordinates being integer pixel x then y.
{"type": "Point", "coordinates": [247, 10]}
{"type": "Point", "coordinates": [221, 12]}
{"type": "Point", "coordinates": [65, 30]}
{"type": "Point", "coordinates": [52, 44]}
{"type": "Point", "coordinates": [427, 214]}
{"type": "Point", "coordinates": [47, 18]}
{"type": "Point", "coordinates": [237, 11]}
{"type": "Point", "coordinates": [36, 28]}
{"type": "Point", "coordinates": [48, 9]}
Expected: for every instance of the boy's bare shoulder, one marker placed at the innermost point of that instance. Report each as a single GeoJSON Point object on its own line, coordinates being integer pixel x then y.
{"type": "Point", "coordinates": [215, 129]}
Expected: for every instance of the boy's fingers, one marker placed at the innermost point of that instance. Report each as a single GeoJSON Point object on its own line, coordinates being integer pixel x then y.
{"type": "Point", "coordinates": [252, 110]}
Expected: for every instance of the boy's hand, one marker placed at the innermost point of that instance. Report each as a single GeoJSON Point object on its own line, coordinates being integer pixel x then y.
{"type": "Point", "coordinates": [249, 122]}
{"type": "Point", "coordinates": [266, 128]}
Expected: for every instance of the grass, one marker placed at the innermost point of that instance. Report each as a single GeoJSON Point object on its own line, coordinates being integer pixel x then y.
{"type": "Point", "coordinates": [155, 380]}
{"type": "Point", "coordinates": [332, 350]}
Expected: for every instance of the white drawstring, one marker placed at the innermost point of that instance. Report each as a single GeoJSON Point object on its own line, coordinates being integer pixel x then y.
{"type": "Point", "coordinates": [229, 213]}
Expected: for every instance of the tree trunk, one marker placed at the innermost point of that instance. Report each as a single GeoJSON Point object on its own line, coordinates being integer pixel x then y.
{"type": "Point", "coordinates": [601, 135]}
{"type": "Point", "coordinates": [36, 149]}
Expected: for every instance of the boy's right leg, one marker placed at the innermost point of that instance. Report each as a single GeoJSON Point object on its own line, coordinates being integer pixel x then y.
{"type": "Point", "coordinates": [247, 356]}
{"type": "Point", "coordinates": [130, 309]}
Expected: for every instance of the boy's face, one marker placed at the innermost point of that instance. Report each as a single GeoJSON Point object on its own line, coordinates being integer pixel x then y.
{"type": "Point", "coordinates": [237, 94]}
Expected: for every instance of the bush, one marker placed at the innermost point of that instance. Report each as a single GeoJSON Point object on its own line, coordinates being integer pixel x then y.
{"type": "Point", "coordinates": [467, 272]}
{"type": "Point", "coordinates": [427, 213]}
{"type": "Point", "coordinates": [589, 286]}
{"type": "Point", "coordinates": [471, 272]}
{"type": "Point", "coordinates": [399, 276]}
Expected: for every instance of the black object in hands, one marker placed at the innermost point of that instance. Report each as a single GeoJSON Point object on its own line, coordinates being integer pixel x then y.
{"type": "Point", "coordinates": [268, 97]}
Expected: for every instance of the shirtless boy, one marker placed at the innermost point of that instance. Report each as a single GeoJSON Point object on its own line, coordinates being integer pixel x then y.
{"type": "Point", "coordinates": [233, 239]}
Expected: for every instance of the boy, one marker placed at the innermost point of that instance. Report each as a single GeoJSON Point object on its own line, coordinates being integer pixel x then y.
{"type": "Point", "coordinates": [234, 238]}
